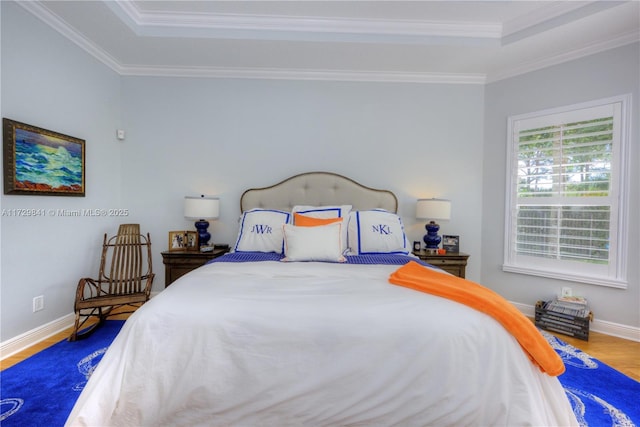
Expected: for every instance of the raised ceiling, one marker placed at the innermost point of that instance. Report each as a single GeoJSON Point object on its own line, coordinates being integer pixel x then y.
{"type": "Point", "coordinates": [415, 41]}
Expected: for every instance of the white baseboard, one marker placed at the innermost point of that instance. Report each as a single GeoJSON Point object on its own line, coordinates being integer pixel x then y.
{"type": "Point", "coordinates": [34, 336]}
{"type": "Point", "coordinates": [608, 328]}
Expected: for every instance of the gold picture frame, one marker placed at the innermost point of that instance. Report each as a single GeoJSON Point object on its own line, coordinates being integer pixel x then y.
{"type": "Point", "coordinates": [183, 240]}
{"type": "Point", "coordinates": [40, 162]}
{"type": "Point", "coordinates": [193, 242]}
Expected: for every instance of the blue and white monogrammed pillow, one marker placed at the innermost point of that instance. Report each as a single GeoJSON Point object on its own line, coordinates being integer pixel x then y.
{"type": "Point", "coordinates": [261, 231]}
{"type": "Point", "coordinates": [376, 232]}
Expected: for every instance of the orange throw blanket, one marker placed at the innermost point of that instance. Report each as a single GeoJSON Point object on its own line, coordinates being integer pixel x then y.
{"type": "Point", "coordinates": [415, 276]}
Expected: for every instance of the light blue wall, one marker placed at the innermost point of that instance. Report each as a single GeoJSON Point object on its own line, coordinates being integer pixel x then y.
{"type": "Point", "coordinates": [215, 136]}
{"type": "Point", "coordinates": [49, 82]}
{"type": "Point", "coordinates": [610, 73]}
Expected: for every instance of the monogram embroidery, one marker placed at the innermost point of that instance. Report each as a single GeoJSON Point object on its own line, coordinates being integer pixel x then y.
{"type": "Point", "coordinates": [381, 229]}
{"type": "Point", "coordinates": [261, 229]}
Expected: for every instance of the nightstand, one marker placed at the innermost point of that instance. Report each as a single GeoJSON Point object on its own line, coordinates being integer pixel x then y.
{"type": "Point", "coordinates": [178, 263]}
{"type": "Point", "coordinates": [452, 262]}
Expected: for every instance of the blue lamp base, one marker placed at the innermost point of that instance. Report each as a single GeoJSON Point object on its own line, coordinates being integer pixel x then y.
{"type": "Point", "coordinates": [431, 239]}
{"type": "Point", "coordinates": [203, 234]}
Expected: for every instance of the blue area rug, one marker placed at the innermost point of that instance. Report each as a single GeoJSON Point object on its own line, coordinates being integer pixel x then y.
{"type": "Point", "coordinates": [43, 389]}
{"type": "Point", "coordinates": [599, 395]}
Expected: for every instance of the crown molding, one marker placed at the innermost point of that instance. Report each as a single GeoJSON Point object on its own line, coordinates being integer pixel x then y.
{"type": "Point", "coordinates": [274, 27]}
{"type": "Point", "coordinates": [540, 63]}
{"type": "Point", "coordinates": [553, 15]}
{"type": "Point", "coordinates": [39, 11]}
{"type": "Point", "coordinates": [536, 17]}
{"type": "Point", "coordinates": [157, 23]}
{"type": "Point", "coordinates": [299, 74]}
{"type": "Point", "coordinates": [58, 24]}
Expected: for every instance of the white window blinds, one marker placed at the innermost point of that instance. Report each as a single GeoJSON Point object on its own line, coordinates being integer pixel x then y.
{"type": "Point", "coordinates": [563, 197]}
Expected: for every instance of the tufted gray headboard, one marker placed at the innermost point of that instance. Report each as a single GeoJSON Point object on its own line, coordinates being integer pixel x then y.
{"type": "Point", "coordinates": [318, 189]}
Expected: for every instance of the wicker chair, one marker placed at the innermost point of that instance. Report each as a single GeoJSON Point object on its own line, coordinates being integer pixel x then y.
{"type": "Point", "coordinates": [124, 280]}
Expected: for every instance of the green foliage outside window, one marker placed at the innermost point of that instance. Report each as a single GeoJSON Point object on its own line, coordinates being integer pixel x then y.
{"type": "Point", "coordinates": [572, 160]}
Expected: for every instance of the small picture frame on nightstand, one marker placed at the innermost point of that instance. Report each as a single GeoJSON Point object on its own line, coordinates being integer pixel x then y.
{"type": "Point", "coordinates": [183, 240]}
{"type": "Point", "coordinates": [191, 240]}
{"type": "Point", "coordinates": [451, 243]}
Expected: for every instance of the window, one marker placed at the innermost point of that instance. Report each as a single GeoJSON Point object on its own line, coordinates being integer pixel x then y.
{"type": "Point", "coordinates": [565, 210]}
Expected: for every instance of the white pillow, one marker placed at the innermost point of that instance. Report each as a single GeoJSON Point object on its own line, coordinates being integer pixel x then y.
{"type": "Point", "coordinates": [261, 231]}
{"type": "Point", "coordinates": [376, 232]}
{"type": "Point", "coordinates": [319, 243]}
{"type": "Point", "coordinates": [333, 211]}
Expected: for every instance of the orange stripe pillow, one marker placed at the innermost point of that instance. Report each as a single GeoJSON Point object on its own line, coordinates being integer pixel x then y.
{"type": "Point", "coordinates": [307, 221]}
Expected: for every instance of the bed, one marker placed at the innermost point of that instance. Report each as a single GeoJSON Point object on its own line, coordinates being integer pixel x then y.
{"type": "Point", "coordinates": [294, 328]}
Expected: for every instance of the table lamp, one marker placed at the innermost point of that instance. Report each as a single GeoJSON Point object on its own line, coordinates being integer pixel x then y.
{"type": "Point", "coordinates": [201, 209]}
{"type": "Point", "coordinates": [433, 209]}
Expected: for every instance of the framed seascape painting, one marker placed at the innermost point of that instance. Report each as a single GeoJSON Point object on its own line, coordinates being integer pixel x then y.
{"type": "Point", "coordinates": [42, 162]}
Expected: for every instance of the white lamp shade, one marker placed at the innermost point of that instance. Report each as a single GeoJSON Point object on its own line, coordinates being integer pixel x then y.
{"type": "Point", "coordinates": [433, 209]}
{"type": "Point", "coordinates": [201, 207]}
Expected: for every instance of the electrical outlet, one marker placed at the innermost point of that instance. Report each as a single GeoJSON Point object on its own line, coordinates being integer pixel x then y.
{"type": "Point", "coordinates": [38, 303]}
{"type": "Point", "coordinates": [567, 292]}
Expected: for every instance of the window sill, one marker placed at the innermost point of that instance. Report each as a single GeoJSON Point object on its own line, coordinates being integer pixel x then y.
{"type": "Point", "coordinates": [591, 280]}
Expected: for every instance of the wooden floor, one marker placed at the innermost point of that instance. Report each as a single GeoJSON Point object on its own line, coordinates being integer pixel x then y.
{"type": "Point", "coordinates": [621, 354]}
{"type": "Point", "coordinates": [48, 342]}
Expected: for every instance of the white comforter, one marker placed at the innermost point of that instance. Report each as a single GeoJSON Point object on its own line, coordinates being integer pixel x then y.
{"type": "Point", "coordinates": [313, 344]}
